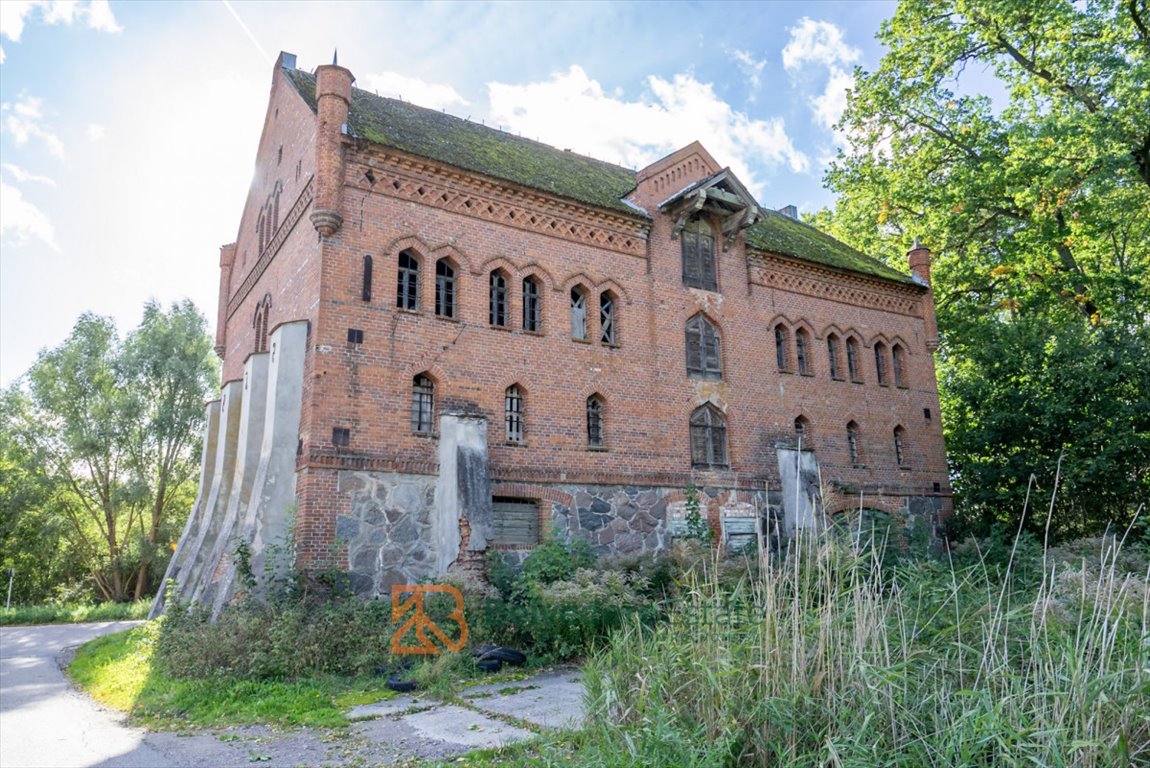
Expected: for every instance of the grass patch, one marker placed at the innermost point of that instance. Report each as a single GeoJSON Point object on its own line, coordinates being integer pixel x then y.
{"type": "Point", "coordinates": [72, 613]}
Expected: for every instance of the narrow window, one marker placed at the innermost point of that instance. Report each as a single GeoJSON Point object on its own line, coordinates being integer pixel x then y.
{"type": "Point", "coordinates": [578, 314]}
{"type": "Point", "coordinates": [896, 357]}
{"type": "Point", "coordinates": [708, 438]}
{"type": "Point", "coordinates": [444, 289]}
{"type": "Point", "coordinates": [853, 442]}
{"type": "Point", "coordinates": [422, 404]}
{"type": "Point", "coordinates": [497, 314]}
{"type": "Point", "coordinates": [594, 421]}
{"type": "Point", "coordinates": [801, 352]}
{"type": "Point", "coordinates": [781, 347]}
{"type": "Point", "coordinates": [853, 359]}
{"type": "Point", "coordinates": [880, 363]}
{"type": "Point", "coordinates": [802, 430]}
{"type": "Point", "coordinates": [340, 437]}
{"type": "Point", "coordinates": [532, 311]}
{"type": "Point", "coordinates": [606, 318]}
{"type": "Point", "coordinates": [899, 451]}
{"type": "Point", "coordinates": [355, 335]}
{"type": "Point", "coordinates": [367, 277]}
{"type": "Point", "coordinates": [407, 284]}
{"type": "Point", "coordinates": [926, 413]}
{"type": "Point", "coordinates": [260, 323]}
{"type": "Point", "coordinates": [704, 358]}
{"type": "Point", "coordinates": [833, 356]}
{"type": "Point", "coordinates": [513, 414]}
{"type": "Point", "coordinates": [699, 256]}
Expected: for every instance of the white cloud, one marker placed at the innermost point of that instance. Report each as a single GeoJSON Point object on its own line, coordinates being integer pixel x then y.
{"type": "Point", "coordinates": [828, 107]}
{"type": "Point", "coordinates": [421, 92]}
{"type": "Point", "coordinates": [23, 121]}
{"type": "Point", "coordinates": [14, 14]}
{"type": "Point", "coordinates": [95, 131]}
{"type": "Point", "coordinates": [572, 110]}
{"type": "Point", "coordinates": [22, 176]}
{"type": "Point", "coordinates": [22, 221]}
{"type": "Point", "coordinates": [817, 42]}
{"type": "Point", "coordinates": [751, 67]}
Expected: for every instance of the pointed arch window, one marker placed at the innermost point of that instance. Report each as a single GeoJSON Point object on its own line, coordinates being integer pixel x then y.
{"type": "Point", "coordinates": [497, 312]}
{"type": "Point", "coordinates": [853, 360]}
{"type": "Point", "coordinates": [260, 323]}
{"type": "Point", "coordinates": [595, 421]}
{"type": "Point", "coordinates": [880, 363]}
{"type": "Point", "coordinates": [833, 357]}
{"type": "Point", "coordinates": [802, 430]}
{"type": "Point", "coordinates": [513, 414]}
{"type": "Point", "coordinates": [801, 356]}
{"type": "Point", "coordinates": [704, 356]}
{"type": "Point", "coordinates": [898, 363]}
{"type": "Point", "coordinates": [708, 437]}
{"type": "Point", "coordinates": [578, 313]}
{"type": "Point", "coordinates": [900, 446]}
{"type": "Point", "coordinates": [532, 305]}
{"type": "Point", "coordinates": [422, 404]}
{"type": "Point", "coordinates": [853, 442]}
{"type": "Point", "coordinates": [607, 318]}
{"type": "Point", "coordinates": [444, 289]}
{"type": "Point", "coordinates": [407, 282]}
{"type": "Point", "coordinates": [698, 244]}
{"type": "Point", "coordinates": [781, 347]}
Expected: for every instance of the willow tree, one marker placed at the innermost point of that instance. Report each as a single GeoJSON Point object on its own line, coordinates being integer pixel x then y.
{"type": "Point", "coordinates": [1013, 138]}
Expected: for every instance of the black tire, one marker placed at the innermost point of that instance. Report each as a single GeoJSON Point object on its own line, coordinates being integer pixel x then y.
{"type": "Point", "coordinates": [508, 655]}
{"type": "Point", "coordinates": [399, 685]}
{"type": "Point", "coordinates": [489, 665]}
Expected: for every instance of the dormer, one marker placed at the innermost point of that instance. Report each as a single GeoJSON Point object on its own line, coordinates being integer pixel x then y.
{"type": "Point", "coordinates": [719, 197]}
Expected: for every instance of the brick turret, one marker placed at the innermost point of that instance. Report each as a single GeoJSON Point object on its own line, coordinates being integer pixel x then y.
{"type": "Point", "coordinates": [227, 263]}
{"type": "Point", "coordinates": [333, 97]}
{"type": "Point", "coordinates": [918, 257]}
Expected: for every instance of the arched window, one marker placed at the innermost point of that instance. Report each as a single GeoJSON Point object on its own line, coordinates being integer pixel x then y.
{"type": "Point", "coordinates": [532, 307]}
{"type": "Point", "coordinates": [853, 442]}
{"type": "Point", "coordinates": [407, 282]}
{"type": "Point", "coordinates": [422, 404]}
{"type": "Point", "coordinates": [497, 311]}
{"type": "Point", "coordinates": [260, 323]}
{"type": "Point", "coordinates": [781, 347]}
{"type": "Point", "coordinates": [833, 357]}
{"type": "Point", "coordinates": [897, 362]}
{"type": "Point", "coordinates": [853, 359]}
{"type": "Point", "coordinates": [802, 430]}
{"type": "Point", "coordinates": [704, 357]}
{"type": "Point", "coordinates": [899, 448]}
{"type": "Point", "coordinates": [513, 414]}
{"type": "Point", "coordinates": [367, 265]}
{"type": "Point", "coordinates": [578, 313]}
{"type": "Point", "coordinates": [595, 421]}
{"type": "Point", "coordinates": [699, 256]}
{"type": "Point", "coordinates": [444, 288]}
{"type": "Point", "coordinates": [880, 363]}
{"type": "Point", "coordinates": [801, 352]}
{"type": "Point", "coordinates": [606, 318]}
{"type": "Point", "coordinates": [708, 437]}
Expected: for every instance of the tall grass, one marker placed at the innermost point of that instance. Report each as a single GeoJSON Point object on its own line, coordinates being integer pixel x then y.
{"type": "Point", "coordinates": [829, 657]}
{"type": "Point", "coordinates": [71, 613]}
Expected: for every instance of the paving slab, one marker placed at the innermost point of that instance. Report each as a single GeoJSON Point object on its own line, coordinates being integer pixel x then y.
{"type": "Point", "coordinates": [460, 725]}
{"type": "Point", "coordinates": [552, 699]}
{"type": "Point", "coordinates": [389, 708]}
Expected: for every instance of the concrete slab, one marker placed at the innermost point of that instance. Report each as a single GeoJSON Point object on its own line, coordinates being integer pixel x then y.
{"type": "Point", "coordinates": [552, 700]}
{"type": "Point", "coordinates": [459, 725]}
{"type": "Point", "coordinates": [390, 708]}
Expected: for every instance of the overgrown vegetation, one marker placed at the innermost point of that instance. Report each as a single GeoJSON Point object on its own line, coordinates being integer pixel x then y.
{"type": "Point", "coordinates": [70, 613]}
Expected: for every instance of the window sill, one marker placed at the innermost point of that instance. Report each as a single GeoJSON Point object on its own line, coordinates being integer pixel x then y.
{"type": "Point", "coordinates": [904, 467]}
{"type": "Point", "coordinates": [704, 376]}
{"type": "Point", "coordinates": [807, 374]}
{"type": "Point", "coordinates": [516, 443]}
{"type": "Point", "coordinates": [786, 370]}
{"type": "Point", "coordinates": [581, 341]}
{"type": "Point", "coordinates": [884, 384]}
{"type": "Point", "coordinates": [404, 311]}
{"type": "Point", "coordinates": [902, 386]}
{"type": "Point", "coordinates": [500, 327]}
{"type": "Point", "coordinates": [532, 333]}
{"type": "Point", "coordinates": [426, 435]}
{"type": "Point", "coordinates": [598, 448]}
{"type": "Point", "coordinates": [857, 381]}
{"type": "Point", "coordinates": [447, 318]}
{"type": "Point", "coordinates": [610, 345]}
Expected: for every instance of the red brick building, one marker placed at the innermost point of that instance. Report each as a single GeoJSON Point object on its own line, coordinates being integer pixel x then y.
{"type": "Point", "coordinates": [620, 335]}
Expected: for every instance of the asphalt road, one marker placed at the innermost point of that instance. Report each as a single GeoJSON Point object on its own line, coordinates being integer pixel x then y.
{"type": "Point", "coordinates": [44, 722]}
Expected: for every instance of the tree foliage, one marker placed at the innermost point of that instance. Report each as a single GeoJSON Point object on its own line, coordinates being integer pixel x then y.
{"type": "Point", "coordinates": [1013, 137]}
{"type": "Point", "coordinates": [108, 431]}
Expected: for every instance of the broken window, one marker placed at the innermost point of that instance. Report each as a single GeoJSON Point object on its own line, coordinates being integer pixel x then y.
{"type": "Point", "coordinates": [781, 347]}
{"type": "Point", "coordinates": [897, 363]}
{"type": "Point", "coordinates": [801, 351]}
{"type": "Point", "coordinates": [708, 437]}
{"type": "Point", "coordinates": [853, 442]}
{"type": "Point", "coordinates": [704, 358]}
{"type": "Point", "coordinates": [853, 359]}
{"type": "Point", "coordinates": [595, 421]}
{"type": "Point", "coordinates": [444, 288]}
{"type": "Point", "coordinates": [833, 356]}
{"type": "Point", "coordinates": [422, 404]}
{"type": "Point", "coordinates": [606, 318]}
{"type": "Point", "coordinates": [532, 309]}
{"type": "Point", "coordinates": [802, 430]}
{"type": "Point", "coordinates": [497, 313]}
{"type": "Point", "coordinates": [407, 284]}
{"type": "Point", "coordinates": [578, 313]}
{"type": "Point", "coordinates": [880, 362]}
{"type": "Point", "coordinates": [698, 244]}
{"type": "Point", "coordinates": [899, 452]}
{"type": "Point", "coordinates": [513, 414]}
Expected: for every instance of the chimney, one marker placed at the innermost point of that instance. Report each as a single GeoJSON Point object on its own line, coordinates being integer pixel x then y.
{"type": "Point", "coordinates": [918, 257]}
{"type": "Point", "coordinates": [333, 97]}
{"type": "Point", "coordinates": [790, 211]}
{"type": "Point", "coordinates": [227, 263]}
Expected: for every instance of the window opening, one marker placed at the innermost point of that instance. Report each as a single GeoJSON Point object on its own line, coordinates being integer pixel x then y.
{"type": "Point", "coordinates": [407, 285]}
{"type": "Point", "coordinates": [444, 289]}
{"type": "Point", "coordinates": [899, 452]}
{"type": "Point", "coordinates": [704, 357]}
{"type": "Point", "coordinates": [698, 245]}
{"type": "Point", "coordinates": [802, 430]}
{"type": "Point", "coordinates": [594, 421]}
{"type": "Point", "coordinates": [422, 404]}
{"type": "Point", "coordinates": [801, 351]}
{"type": "Point", "coordinates": [880, 362]}
{"type": "Point", "coordinates": [897, 364]}
{"type": "Point", "coordinates": [578, 314]}
{"type": "Point", "coordinates": [367, 263]}
{"type": "Point", "coordinates": [781, 347]}
{"type": "Point", "coordinates": [833, 356]}
{"type": "Point", "coordinates": [606, 318]}
{"type": "Point", "coordinates": [513, 414]}
{"type": "Point", "coordinates": [341, 437]}
{"type": "Point", "coordinates": [708, 438]}
{"type": "Point", "coordinates": [497, 312]}
{"type": "Point", "coordinates": [853, 442]}
{"type": "Point", "coordinates": [532, 311]}
{"type": "Point", "coordinates": [853, 360]}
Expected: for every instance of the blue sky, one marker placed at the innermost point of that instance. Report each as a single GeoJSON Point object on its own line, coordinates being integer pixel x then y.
{"type": "Point", "coordinates": [128, 130]}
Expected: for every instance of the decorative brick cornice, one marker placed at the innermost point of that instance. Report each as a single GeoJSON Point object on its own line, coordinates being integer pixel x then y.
{"type": "Point", "coordinates": [771, 271]}
{"type": "Point", "coordinates": [273, 246]}
{"type": "Point", "coordinates": [426, 182]}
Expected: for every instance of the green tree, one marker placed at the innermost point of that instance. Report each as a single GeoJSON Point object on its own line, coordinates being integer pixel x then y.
{"type": "Point", "coordinates": [1035, 198]}
{"type": "Point", "coordinates": [114, 427]}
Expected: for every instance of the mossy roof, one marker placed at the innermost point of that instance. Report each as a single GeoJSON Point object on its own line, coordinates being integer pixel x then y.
{"type": "Point", "coordinates": [464, 144]}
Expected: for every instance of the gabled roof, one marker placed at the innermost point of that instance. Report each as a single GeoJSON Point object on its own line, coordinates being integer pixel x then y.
{"type": "Point", "coordinates": [464, 144]}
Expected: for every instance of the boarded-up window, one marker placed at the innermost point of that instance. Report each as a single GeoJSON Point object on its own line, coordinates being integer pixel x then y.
{"type": "Point", "coordinates": [704, 360]}
{"type": "Point", "coordinates": [514, 522]}
{"type": "Point", "coordinates": [708, 438]}
{"type": "Point", "coordinates": [699, 256]}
